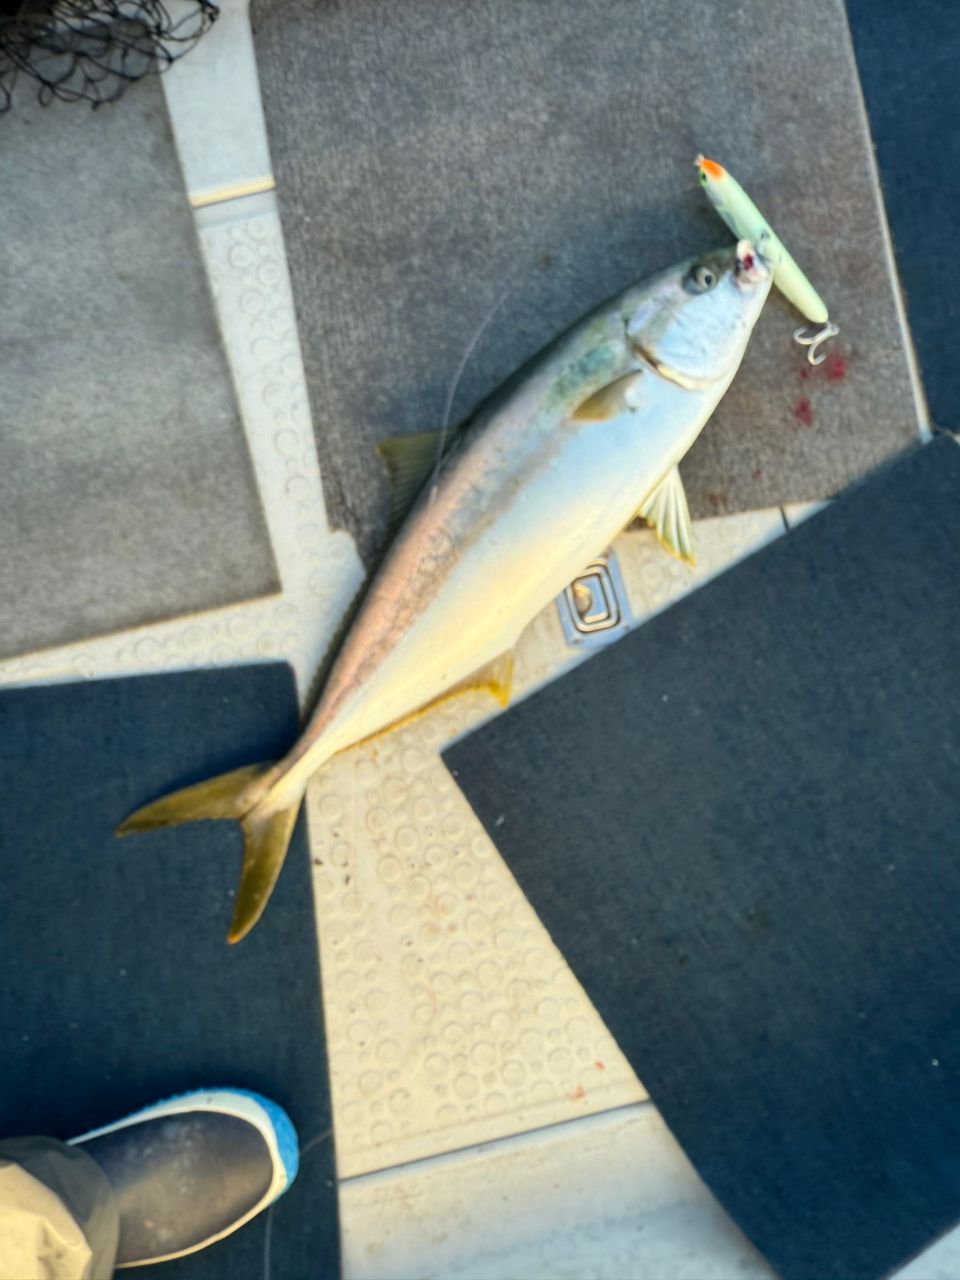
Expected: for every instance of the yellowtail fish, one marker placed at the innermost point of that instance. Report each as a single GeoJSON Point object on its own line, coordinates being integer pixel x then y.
{"type": "Point", "coordinates": [545, 475]}
{"type": "Point", "coordinates": [744, 219]}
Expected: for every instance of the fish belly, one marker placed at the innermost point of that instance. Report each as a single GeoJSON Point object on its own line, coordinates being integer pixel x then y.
{"type": "Point", "coordinates": [521, 549]}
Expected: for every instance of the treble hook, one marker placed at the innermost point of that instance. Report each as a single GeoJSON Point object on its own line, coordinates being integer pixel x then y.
{"type": "Point", "coordinates": [815, 340]}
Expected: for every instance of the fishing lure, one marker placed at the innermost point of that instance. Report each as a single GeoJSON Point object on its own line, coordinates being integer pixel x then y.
{"type": "Point", "coordinates": [747, 222]}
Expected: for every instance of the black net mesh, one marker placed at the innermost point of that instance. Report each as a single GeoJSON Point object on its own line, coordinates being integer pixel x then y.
{"type": "Point", "coordinates": [90, 50]}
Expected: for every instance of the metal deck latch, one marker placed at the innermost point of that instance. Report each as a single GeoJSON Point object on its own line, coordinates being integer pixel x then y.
{"type": "Point", "coordinates": [594, 609]}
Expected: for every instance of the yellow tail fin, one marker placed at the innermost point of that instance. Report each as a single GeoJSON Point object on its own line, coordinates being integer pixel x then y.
{"type": "Point", "coordinates": [244, 795]}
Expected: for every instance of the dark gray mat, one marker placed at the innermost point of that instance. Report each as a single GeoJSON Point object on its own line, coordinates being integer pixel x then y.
{"type": "Point", "coordinates": [433, 156]}
{"type": "Point", "coordinates": [908, 57]}
{"type": "Point", "coordinates": [126, 491]}
{"type": "Point", "coordinates": [119, 988]}
{"type": "Point", "coordinates": [747, 853]}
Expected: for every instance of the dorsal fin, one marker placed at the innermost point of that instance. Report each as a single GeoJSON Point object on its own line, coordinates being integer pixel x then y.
{"type": "Point", "coordinates": [410, 460]}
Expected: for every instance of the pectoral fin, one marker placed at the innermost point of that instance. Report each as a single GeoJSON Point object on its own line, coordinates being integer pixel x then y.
{"type": "Point", "coordinates": [620, 396]}
{"type": "Point", "coordinates": [410, 461]}
{"type": "Point", "coordinates": [666, 511]}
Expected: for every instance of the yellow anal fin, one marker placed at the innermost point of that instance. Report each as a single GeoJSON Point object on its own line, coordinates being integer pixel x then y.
{"type": "Point", "coordinates": [666, 511]}
{"type": "Point", "coordinates": [495, 678]}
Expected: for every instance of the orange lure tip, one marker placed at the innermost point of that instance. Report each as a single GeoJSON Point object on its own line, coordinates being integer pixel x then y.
{"type": "Point", "coordinates": [710, 168]}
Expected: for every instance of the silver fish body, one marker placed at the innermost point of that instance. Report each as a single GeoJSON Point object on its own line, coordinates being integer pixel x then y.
{"type": "Point", "coordinates": [548, 472]}
{"type": "Point", "coordinates": [537, 491]}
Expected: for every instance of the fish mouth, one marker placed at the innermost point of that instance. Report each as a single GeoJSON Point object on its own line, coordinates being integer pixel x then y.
{"type": "Point", "coordinates": [752, 267]}
{"type": "Point", "coordinates": [688, 381]}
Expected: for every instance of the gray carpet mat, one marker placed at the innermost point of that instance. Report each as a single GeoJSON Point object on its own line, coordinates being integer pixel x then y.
{"type": "Point", "coordinates": [436, 159]}
{"type": "Point", "coordinates": [126, 490]}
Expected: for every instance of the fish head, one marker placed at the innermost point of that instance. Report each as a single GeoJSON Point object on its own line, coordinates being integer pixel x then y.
{"type": "Point", "coordinates": [692, 323]}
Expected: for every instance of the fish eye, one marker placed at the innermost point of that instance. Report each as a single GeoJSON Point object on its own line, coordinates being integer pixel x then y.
{"type": "Point", "coordinates": [702, 278]}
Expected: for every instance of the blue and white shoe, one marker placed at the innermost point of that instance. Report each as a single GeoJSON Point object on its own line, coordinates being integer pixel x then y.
{"type": "Point", "coordinates": [189, 1171]}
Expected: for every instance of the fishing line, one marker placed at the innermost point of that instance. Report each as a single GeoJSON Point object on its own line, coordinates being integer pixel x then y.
{"type": "Point", "coordinates": [455, 384]}
{"type": "Point", "coordinates": [451, 397]}
{"type": "Point", "coordinates": [268, 1233]}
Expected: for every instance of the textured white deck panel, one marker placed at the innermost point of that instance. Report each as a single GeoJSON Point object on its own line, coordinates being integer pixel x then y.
{"type": "Point", "coordinates": [213, 98]}
{"type": "Point", "coordinates": [605, 1198]}
{"type": "Point", "coordinates": [451, 1017]}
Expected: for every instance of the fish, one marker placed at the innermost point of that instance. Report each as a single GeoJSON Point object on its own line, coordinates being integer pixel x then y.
{"type": "Point", "coordinates": [744, 219]}
{"type": "Point", "coordinates": [582, 440]}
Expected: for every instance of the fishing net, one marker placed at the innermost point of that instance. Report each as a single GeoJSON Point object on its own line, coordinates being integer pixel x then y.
{"type": "Point", "coordinates": [91, 50]}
